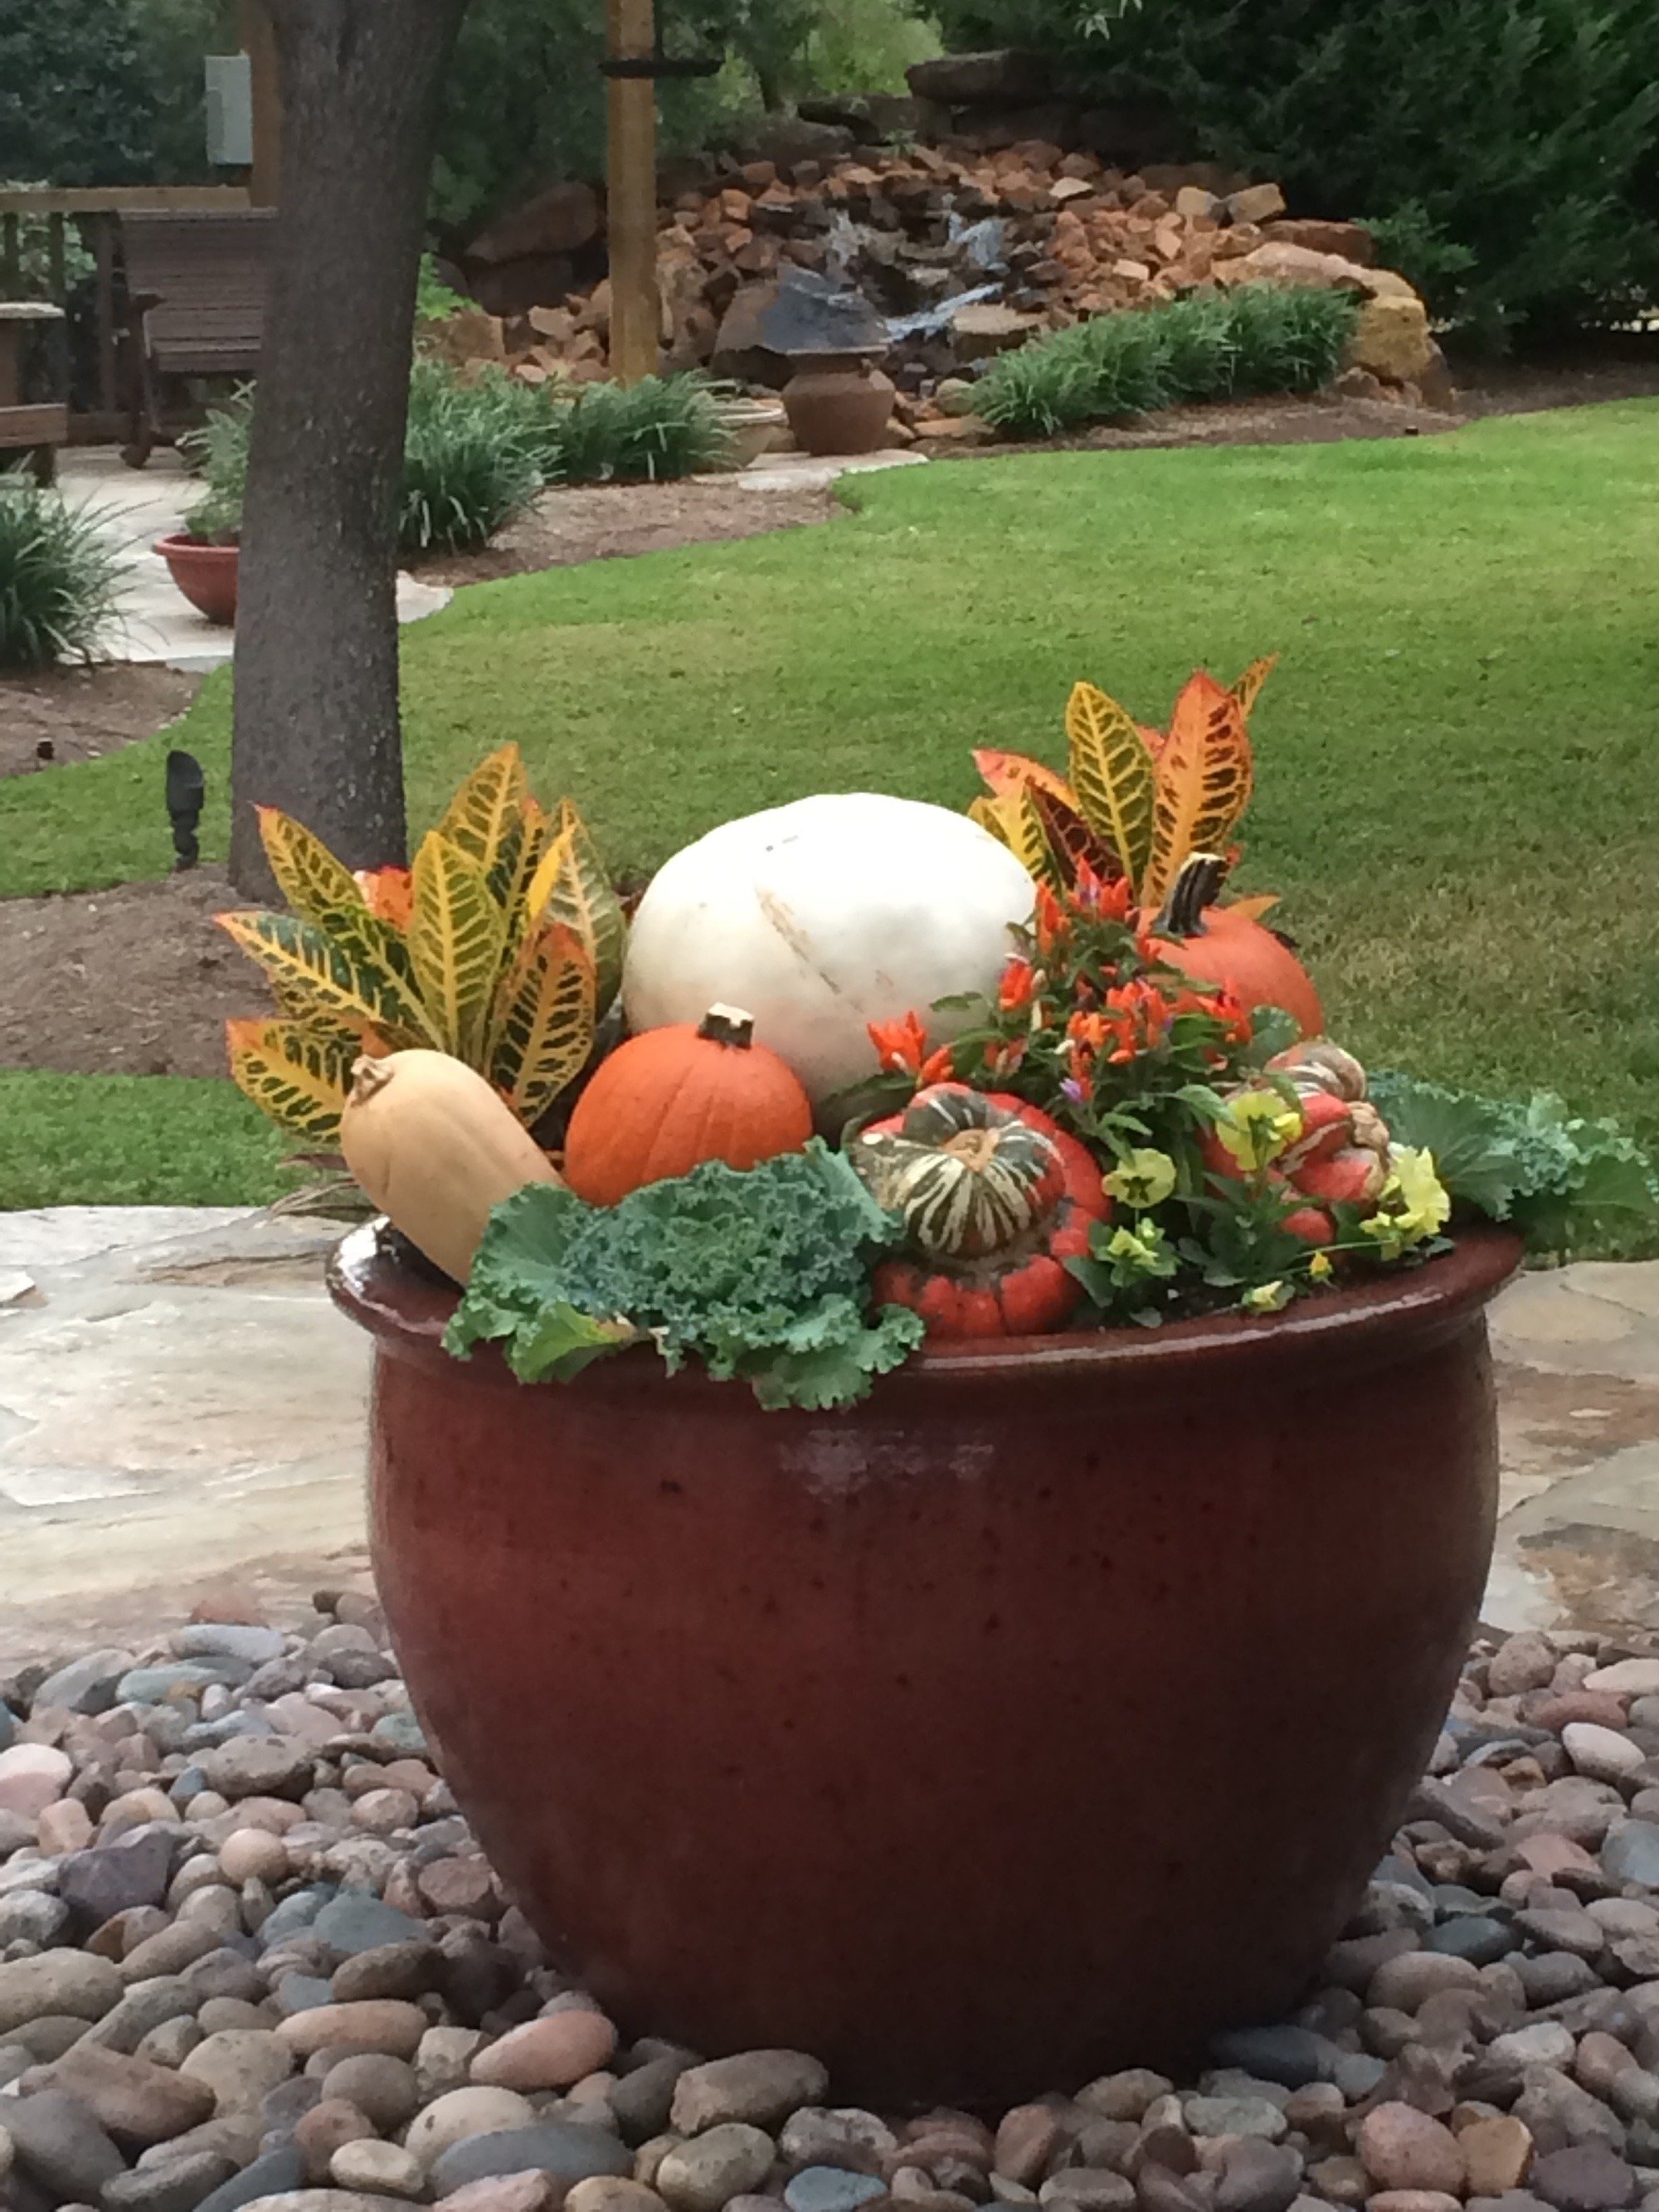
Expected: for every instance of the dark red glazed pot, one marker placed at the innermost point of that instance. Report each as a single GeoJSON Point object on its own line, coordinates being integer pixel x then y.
{"type": "Point", "coordinates": [1043, 1713]}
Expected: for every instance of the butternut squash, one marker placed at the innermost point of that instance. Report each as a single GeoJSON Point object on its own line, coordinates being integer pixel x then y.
{"type": "Point", "coordinates": [436, 1149]}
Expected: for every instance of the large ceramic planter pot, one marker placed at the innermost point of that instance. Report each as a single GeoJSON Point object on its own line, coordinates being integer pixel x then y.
{"type": "Point", "coordinates": [838, 406]}
{"type": "Point", "coordinates": [1045, 1712]}
{"type": "Point", "coordinates": [204, 572]}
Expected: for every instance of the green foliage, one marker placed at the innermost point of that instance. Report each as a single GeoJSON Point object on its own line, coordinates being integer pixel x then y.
{"type": "Point", "coordinates": [217, 452]}
{"type": "Point", "coordinates": [34, 273]}
{"type": "Point", "coordinates": [1259, 338]}
{"type": "Point", "coordinates": [57, 576]}
{"type": "Point", "coordinates": [435, 301]}
{"type": "Point", "coordinates": [133, 1141]}
{"type": "Point", "coordinates": [762, 1274]}
{"type": "Point", "coordinates": [1520, 134]}
{"type": "Point", "coordinates": [478, 448]}
{"type": "Point", "coordinates": [107, 92]}
{"type": "Point", "coordinates": [1564, 1182]}
{"type": "Point", "coordinates": [1456, 757]}
{"type": "Point", "coordinates": [469, 464]}
{"type": "Point", "coordinates": [661, 427]}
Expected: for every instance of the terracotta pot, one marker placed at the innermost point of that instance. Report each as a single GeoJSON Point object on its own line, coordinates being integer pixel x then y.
{"type": "Point", "coordinates": [1043, 1713]}
{"type": "Point", "coordinates": [838, 406]}
{"type": "Point", "coordinates": [205, 573]}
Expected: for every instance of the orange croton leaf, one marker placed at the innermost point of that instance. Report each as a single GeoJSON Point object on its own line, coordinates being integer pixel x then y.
{"type": "Point", "coordinates": [1204, 775]}
{"type": "Point", "coordinates": [1008, 772]}
{"type": "Point", "coordinates": [388, 893]}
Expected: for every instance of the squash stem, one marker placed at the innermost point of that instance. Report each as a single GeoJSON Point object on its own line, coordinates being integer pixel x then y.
{"type": "Point", "coordinates": [1198, 885]}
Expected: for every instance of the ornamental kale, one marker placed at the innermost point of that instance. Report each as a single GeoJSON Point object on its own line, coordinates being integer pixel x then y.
{"type": "Point", "coordinates": [762, 1274]}
{"type": "Point", "coordinates": [1559, 1180]}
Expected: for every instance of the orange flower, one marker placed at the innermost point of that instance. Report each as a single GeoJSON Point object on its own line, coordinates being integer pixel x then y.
{"type": "Point", "coordinates": [939, 1067]}
{"type": "Point", "coordinates": [1052, 924]}
{"type": "Point", "coordinates": [1017, 987]}
{"type": "Point", "coordinates": [899, 1045]}
{"type": "Point", "coordinates": [1095, 896]}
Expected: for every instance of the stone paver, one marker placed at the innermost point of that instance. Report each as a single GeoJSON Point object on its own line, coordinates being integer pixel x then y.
{"type": "Point", "coordinates": [180, 1403]}
{"type": "Point", "coordinates": [134, 508]}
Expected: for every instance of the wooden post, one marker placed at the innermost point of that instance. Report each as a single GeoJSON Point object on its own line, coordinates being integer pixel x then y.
{"type": "Point", "coordinates": [631, 196]}
{"type": "Point", "coordinates": [260, 47]}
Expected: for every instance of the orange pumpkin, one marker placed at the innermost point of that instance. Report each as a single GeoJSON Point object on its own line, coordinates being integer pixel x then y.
{"type": "Point", "coordinates": [672, 1098]}
{"type": "Point", "coordinates": [1217, 944]}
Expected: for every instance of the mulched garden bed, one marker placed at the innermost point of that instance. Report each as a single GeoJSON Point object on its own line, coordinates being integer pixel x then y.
{"type": "Point", "coordinates": [49, 717]}
{"type": "Point", "coordinates": [132, 981]}
{"type": "Point", "coordinates": [249, 1947]}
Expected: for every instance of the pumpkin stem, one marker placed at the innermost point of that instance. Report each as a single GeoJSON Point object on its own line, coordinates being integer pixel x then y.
{"type": "Point", "coordinates": [728, 1025]}
{"type": "Point", "coordinates": [370, 1076]}
{"type": "Point", "coordinates": [1198, 885]}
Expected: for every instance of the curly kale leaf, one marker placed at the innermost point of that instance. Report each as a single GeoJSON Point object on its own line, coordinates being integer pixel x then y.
{"type": "Point", "coordinates": [1559, 1180]}
{"type": "Point", "coordinates": [762, 1274]}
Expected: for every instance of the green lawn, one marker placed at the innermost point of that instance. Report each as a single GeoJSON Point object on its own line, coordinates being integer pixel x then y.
{"type": "Point", "coordinates": [1458, 757]}
{"type": "Point", "coordinates": [134, 1141]}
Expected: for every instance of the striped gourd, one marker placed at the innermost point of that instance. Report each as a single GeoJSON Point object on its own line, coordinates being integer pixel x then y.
{"type": "Point", "coordinates": [966, 1176]}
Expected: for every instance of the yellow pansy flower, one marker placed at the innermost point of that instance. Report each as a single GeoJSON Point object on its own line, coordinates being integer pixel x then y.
{"type": "Point", "coordinates": [1144, 1179]}
{"type": "Point", "coordinates": [1319, 1267]}
{"type": "Point", "coordinates": [1265, 1297]}
{"type": "Point", "coordinates": [1256, 1126]}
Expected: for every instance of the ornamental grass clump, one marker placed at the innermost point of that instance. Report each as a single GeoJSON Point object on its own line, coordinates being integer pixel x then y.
{"type": "Point", "coordinates": [661, 427]}
{"type": "Point", "coordinates": [1259, 339]}
{"type": "Point", "coordinates": [58, 577]}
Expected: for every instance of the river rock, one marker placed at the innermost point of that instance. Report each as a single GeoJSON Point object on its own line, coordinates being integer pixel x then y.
{"type": "Point", "coordinates": [463, 2113]}
{"type": "Point", "coordinates": [759, 2088]}
{"type": "Point", "coordinates": [260, 1766]}
{"type": "Point", "coordinates": [1583, 2178]}
{"type": "Point", "coordinates": [86, 1685]}
{"type": "Point", "coordinates": [549, 2053]}
{"type": "Point", "coordinates": [181, 2185]}
{"type": "Point", "coordinates": [75, 1983]}
{"type": "Point", "coordinates": [834, 2189]}
{"type": "Point", "coordinates": [273, 2174]}
{"type": "Point", "coordinates": [32, 1777]}
{"type": "Point", "coordinates": [241, 2066]}
{"type": "Point", "coordinates": [356, 1920]}
{"type": "Point", "coordinates": [728, 2159]}
{"type": "Point", "coordinates": [130, 1871]}
{"type": "Point", "coordinates": [1403, 2148]}
{"type": "Point", "coordinates": [568, 2152]}
{"type": "Point", "coordinates": [1497, 2153]}
{"type": "Point", "coordinates": [138, 2103]}
{"type": "Point", "coordinates": [385, 2169]}
{"type": "Point", "coordinates": [371, 2024]}
{"type": "Point", "coordinates": [59, 2144]}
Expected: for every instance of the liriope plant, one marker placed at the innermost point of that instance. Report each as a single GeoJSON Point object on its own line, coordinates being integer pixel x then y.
{"type": "Point", "coordinates": [502, 945]}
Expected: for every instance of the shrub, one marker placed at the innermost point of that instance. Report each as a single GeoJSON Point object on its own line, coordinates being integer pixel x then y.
{"type": "Point", "coordinates": [1512, 145]}
{"type": "Point", "coordinates": [662, 427]}
{"type": "Point", "coordinates": [469, 463]}
{"type": "Point", "coordinates": [218, 453]}
{"type": "Point", "coordinates": [58, 577]}
{"type": "Point", "coordinates": [1260, 338]}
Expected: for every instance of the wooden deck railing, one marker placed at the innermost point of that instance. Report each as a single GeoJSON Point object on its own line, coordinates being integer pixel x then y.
{"type": "Point", "coordinates": [93, 211]}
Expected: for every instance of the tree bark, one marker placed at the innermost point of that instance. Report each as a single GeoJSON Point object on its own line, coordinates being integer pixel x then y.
{"type": "Point", "coordinates": [316, 699]}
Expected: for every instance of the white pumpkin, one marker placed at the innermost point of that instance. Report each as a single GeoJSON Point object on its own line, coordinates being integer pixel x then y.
{"type": "Point", "coordinates": [821, 917]}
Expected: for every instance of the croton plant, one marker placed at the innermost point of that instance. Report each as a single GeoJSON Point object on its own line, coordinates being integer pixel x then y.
{"type": "Point", "coordinates": [863, 1072]}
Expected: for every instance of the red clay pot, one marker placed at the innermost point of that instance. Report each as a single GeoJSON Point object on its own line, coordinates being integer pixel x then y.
{"type": "Point", "coordinates": [205, 573]}
{"type": "Point", "coordinates": [1044, 1713]}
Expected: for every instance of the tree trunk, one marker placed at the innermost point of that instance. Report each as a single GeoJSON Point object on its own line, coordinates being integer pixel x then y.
{"type": "Point", "coordinates": [316, 700]}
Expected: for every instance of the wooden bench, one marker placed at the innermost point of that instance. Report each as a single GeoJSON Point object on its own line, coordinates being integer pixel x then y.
{"type": "Point", "coordinates": [196, 292]}
{"type": "Point", "coordinates": [37, 427]}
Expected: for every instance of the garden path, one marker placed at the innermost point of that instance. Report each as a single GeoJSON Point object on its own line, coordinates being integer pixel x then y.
{"type": "Point", "coordinates": [135, 506]}
{"type": "Point", "coordinates": [180, 1407]}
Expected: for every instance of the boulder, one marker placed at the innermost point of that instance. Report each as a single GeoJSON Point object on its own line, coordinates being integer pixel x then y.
{"type": "Point", "coordinates": [558, 219]}
{"type": "Point", "coordinates": [1391, 339]}
{"type": "Point", "coordinates": [1003, 77]}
